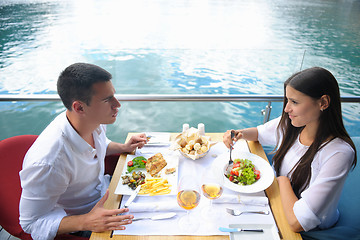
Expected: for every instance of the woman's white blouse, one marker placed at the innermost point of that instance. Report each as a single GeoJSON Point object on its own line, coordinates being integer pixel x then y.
{"type": "Point", "coordinates": [317, 206]}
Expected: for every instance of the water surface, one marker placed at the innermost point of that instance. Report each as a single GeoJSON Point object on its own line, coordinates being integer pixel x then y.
{"type": "Point", "coordinates": [175, 47]}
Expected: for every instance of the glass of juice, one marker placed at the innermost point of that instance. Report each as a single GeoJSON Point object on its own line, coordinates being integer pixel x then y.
{"type": "Point", "coordinates": [188, 197]}
{"type": "Point", "coordinates": [212, 187]}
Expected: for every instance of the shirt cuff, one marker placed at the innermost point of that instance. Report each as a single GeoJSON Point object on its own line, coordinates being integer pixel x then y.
{"type": "Point", "coordinates": [307, 219]}
{"type": "Point", "coordinates": [261, 129]}
{"type": "Point", "coordinates": [47, 227]}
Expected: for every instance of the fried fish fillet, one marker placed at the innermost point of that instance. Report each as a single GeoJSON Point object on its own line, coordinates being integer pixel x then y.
{"type": "Point", "coordinates": [155, 164]}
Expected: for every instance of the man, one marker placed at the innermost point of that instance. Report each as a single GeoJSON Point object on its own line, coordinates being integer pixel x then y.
{"type": "Point", "coordinates": [63, 172]}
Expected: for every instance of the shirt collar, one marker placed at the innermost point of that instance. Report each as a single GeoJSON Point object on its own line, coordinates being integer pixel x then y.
{"type": "Point", "coordinates": [77, 143]}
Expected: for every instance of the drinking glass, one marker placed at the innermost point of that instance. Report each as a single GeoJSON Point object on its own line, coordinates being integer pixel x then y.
{"type": "Point", "coordinates": [188, 198]}
{"type": "Point", "coordinates": [212, 188]}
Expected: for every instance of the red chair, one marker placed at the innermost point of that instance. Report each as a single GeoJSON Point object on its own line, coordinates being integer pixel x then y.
{"type": "Point", "coordinates": [110, 163]}
{"type": "Point", "coordinates": [12, 152]}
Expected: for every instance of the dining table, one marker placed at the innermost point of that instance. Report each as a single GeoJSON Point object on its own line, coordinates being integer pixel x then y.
{"type": "Point", "coordinates": [272, 193]}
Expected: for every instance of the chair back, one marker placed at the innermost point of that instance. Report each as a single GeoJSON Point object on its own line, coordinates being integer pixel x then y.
{"type": "Point", "coordinates": [12, 152]}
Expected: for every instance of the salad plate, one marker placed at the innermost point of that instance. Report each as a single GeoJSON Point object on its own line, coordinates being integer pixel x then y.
{"type": "Point", "coordinates": [266, 172]}
{"type": "Point", "coordinates": [172, 162]}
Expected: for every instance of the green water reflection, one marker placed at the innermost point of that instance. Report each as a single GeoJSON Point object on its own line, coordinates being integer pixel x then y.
{"type": "Point", "coordinates": [175, 47]}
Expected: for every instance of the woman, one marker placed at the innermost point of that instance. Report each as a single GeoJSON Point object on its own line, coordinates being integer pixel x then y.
{"type": "Point", "coordinates": [314, 153]}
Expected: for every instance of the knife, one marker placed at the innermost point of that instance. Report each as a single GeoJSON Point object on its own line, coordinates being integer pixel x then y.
{"type": "Point", "coordinates": [132, 197]}
{"type": "Point", "coordinates": [222, 229]}
{"type": "Point", "coordinates": [158, 217]}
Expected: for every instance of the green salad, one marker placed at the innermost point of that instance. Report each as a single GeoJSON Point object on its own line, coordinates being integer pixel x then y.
{"type": "Point", "coordinates": [138, 162]}
{"type": "Point", "coordinates": [243, 172]}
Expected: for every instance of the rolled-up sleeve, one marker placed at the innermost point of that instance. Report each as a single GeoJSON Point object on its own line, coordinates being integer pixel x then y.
{"type": "Point", "coordinates": [267, 133]}
{"type": "Point", "coordinates": [39, 214]}
{"type": "Point", "coordinates": [317, 206]}
{"type": "Point", "coordinates": [307, 219]}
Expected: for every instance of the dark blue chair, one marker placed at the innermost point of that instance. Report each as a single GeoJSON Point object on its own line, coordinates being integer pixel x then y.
{"type": "Point", "coordinates": [348, 226]}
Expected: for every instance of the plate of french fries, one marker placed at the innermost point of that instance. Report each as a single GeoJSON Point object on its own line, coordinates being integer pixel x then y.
{"type": "Point", "coordinates": [161, 183]}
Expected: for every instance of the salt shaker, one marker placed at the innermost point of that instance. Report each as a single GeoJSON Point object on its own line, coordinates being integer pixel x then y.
{"type": "Point", "coordinates": [201, 128]}
{"type": "Point", "coordinates": [185, 127]}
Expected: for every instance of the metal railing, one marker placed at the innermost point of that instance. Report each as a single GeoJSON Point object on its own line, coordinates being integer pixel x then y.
{"type": "Point", "coordinates": [175, 98]}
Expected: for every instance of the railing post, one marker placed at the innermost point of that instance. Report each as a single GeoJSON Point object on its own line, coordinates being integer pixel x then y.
{"type": "Point", "coordinates": [266, 112]}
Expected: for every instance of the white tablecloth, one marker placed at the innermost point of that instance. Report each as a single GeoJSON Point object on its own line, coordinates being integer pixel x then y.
{"type": "Point", "coordinates": [207, 226]}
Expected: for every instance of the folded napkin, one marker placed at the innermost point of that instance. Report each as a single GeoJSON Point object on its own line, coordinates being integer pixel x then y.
{"type": "Point", "coordinates": [247, 200]}
{"type": "Point", "coordinates": [155, 207]}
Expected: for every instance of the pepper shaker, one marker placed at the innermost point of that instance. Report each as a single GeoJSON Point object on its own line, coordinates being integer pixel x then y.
{"type": "Point", "coordinates": [185, 127]}
{"type": "Point", "coordinates": [201, 128]}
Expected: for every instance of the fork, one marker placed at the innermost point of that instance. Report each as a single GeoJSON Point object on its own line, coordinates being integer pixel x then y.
{"type": "Point", "coordinates": [235, 212]}
{"type": "Point", "coordinates": [232, 135]}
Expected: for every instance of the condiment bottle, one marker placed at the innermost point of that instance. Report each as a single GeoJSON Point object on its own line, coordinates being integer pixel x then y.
{"type": "Point", "coordinates": [201, 128]}
{"type": "Point", "coordinates": [185, 127]}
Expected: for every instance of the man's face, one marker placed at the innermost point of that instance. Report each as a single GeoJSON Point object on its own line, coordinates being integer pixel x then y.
{"type": "Point", "coordinates": [103, 107]}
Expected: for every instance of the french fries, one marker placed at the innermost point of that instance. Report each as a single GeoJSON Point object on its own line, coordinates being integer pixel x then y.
{"type": "Point", "coordinates": [155, 186]}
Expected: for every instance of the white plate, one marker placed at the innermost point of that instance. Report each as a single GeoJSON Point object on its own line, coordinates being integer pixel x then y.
{"type": "Point", "coordinates": [270, 232]}
{"type": "Point", "coordinates": [172, 162]}
{"type": "Point", "coordinates": [266, 172]}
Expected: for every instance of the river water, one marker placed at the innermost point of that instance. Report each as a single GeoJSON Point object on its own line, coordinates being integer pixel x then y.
{"type": "Point", "coordinates": [175, 47]}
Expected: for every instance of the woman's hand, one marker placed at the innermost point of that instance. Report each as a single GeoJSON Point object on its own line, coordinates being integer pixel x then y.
{"type": "Point", "coordinates": [227, 137]}
{"type": "Point", "coordinates": [249, 134]}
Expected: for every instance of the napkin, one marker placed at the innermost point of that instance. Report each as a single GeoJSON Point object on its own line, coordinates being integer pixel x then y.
{"type": "Point", "coordinates": [163, 206]}
{"type": "Point", "coordinates": [246, 200]}
{"type": "Point", "coordinates": [158, 139]}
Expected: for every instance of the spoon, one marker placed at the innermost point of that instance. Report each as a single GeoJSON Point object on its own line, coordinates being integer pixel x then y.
{"type": "Point", "coordinates": [157, 217]}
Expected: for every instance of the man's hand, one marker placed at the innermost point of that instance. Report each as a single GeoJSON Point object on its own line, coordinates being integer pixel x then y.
{"type": "Point", "coordinates": [100, 219]}
{"type": "Point", "coordinates": [136, 141]}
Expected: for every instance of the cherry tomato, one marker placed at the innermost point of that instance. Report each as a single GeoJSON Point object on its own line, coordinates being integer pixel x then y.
{"type": "Point", "coordinates": [236, 165]}
{"type": "Point", "coordinates": [257, 174]}
{"type": "Point", "coordinates": [233, 172]}
{"type": "Point", "coordinates": [231, 178]}
{"type": "Point", "coordinates": [130, 163]}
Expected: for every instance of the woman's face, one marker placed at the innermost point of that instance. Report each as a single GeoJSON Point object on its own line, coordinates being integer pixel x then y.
{"type": "Point", "coordinates": [302, 109]}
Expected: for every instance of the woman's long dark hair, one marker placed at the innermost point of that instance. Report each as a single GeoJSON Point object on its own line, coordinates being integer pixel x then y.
{"type": "Point", "coordinates": [314, 82]}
